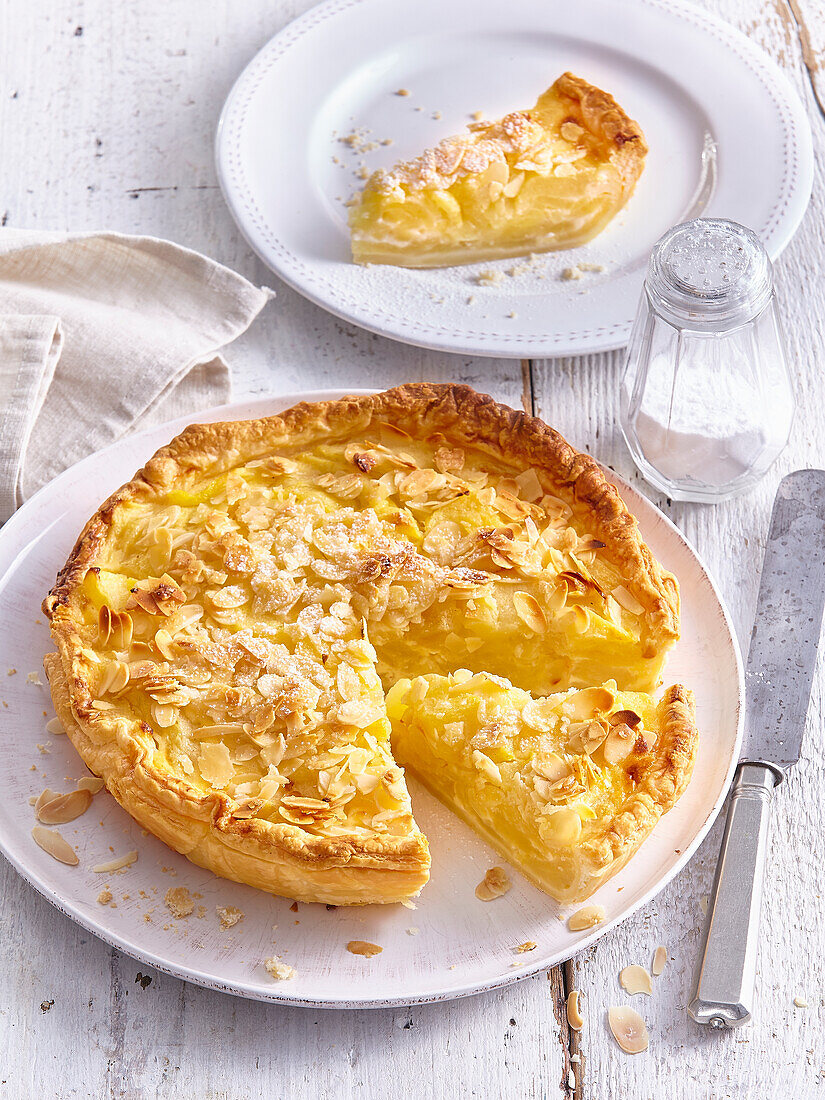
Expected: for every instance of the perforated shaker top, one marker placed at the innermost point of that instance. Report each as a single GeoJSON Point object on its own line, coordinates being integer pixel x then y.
{"type": "Point", "coordinates": [713, 268]}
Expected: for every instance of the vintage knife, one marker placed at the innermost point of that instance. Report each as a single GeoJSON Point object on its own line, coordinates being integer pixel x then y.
{"type": "Point", "coordinates": [781, 662]}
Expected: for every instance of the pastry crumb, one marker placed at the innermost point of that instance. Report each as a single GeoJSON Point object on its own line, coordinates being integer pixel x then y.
{"type": "Point", "coordinates": [280, 971]}
{"type": "Point", "coordinates": [179, 902]}
{"type": "Point", "coordinates": [34, 678]}
{"type": "Point", "coordinates": [105, 896]}
{"type": "Point", "coordinates": [408, 904]}
{"type": "Point", "coordinates": [489, 277]}
{"type": "Point", "coordinates": [412, 931]}
{"type": "Point", "coordinates": [11, 672]}
{"type": "Point", "coordinates": [403, 92]}
{"type": "Point", "coordinates": [363, 947]}
{"type": "Point", "coordinates": [229, 916]}
{"type": "Point", "coordinates": [477, 116]}
{"type": "Point", "coordinates": [528, 945]}
{"type": "Point", "coordinates": [495, 884]}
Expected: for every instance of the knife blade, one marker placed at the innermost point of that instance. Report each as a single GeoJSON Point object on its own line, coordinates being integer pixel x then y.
{"type": "Point", "coordinates": [784, 642]}
{"type": "Point", "coordinates": [781, 663]}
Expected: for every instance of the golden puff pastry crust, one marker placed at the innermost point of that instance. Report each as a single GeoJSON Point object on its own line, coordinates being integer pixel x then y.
{"type": "Point", "coordinates": [543, 179]}
{"type": "Point", "coordinates": [229, 621]}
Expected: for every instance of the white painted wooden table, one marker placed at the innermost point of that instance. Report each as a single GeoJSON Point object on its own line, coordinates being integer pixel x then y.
{"type": "Point", "coordinates": [107, 115]}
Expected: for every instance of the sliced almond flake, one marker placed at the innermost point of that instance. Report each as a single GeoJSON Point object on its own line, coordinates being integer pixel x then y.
{"type": "Point", "coordinates": [659, 960]}
{"type": "Point", "coordinates": [363, 947]}
{"type": "Point", "coordinates": [52, 842]}
{"type": "Point", "coordinates": [626, 600]}
{"type": "Point", "coordinates": [45, 796]}
{"type": "Point", "coordinates": [583, 705]}
{"type": "Point", "coordinates": [64, 808]}
{"type": "Point", "coordinates": [628, 1028]}
{"type": "Point", "coordinates": [116, 864]}
{"type": "Point", "coordinates": [574, 1016]}
{"type": "Point", "coordinates": [55, 727]}
{"type": "Point", "coordinates": [800, 1002]}
{"type": "Point", "coordinates": [278, 970]}
{"type": "Point", "coordinates": [530, 612]}
{"type": "Point", "coordinates": [529, 485]}
{"type": "Point", "coordinates": [523, 948]}
{"type": "Point", "coordinates": [586, 917]}
{"type": "Point", "coordinates": [635, 979]}
{"type": "Point", "coordinates": [495, 884]}
{"type": "Point", "coordinates": [408, 904]}
{"type": "Point", "coordinates": [486, 766]}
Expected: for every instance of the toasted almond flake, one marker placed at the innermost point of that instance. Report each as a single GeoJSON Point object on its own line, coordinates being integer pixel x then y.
{"type": "Point", "coordinates": [628, 1028]}
{"type": "Point", "coordinates": [64, 808]}
{"type": "Point", "coordinates": [523, 948]}
{"type": "Point", "coordinates": [408, 904]}
{"type": "Point", "coordinates": [179, 902]}
{"type": "Point", "coordinates": [412, 931]}
{"type": "Point", "coordinates": [116, 864]}
{"type": "Point", "coordinates": [530, 612]}
{"type": "Point", "coordinates": [659, 960]}
{"type": "Point", "coordinates": [215, 764]}
{"type": "Point", "coordinates": [55, 727]}
{"type": "Point", "coordinates": [586, 917]}
{"type": "Point", "coordinates": [583, 705]}
{"type": "Point", "coordinates": [363, 947]}
{"type": "Point", "coordinates": [495, 884]}
{"type": "Point", "coordinates": [800, 1002]}
{"type": "Point", "coordinates": [626, 600]}
{"type": "Point", "coordinates": [45, 796]}
{"type": "Point", "coordinates": [90, 783]}
{"type": "Point", "coordinates": [635, 979]}
{"type": "Point", "coordinates": [574, 1016]}
{"type": "Point", "coordinates": [280, 971]}
{"type": "Point", "coordinates": [52, 842]}
{"type": "Point", "coordinates": [229, 916]}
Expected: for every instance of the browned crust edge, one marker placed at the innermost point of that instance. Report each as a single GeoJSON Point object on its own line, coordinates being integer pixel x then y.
{"type": "Point", "coordinates": [660, 785]}
{"type": "Point", "coordinates": [463, 416]}
{"type": "Point", "coordinates": [599, 113]}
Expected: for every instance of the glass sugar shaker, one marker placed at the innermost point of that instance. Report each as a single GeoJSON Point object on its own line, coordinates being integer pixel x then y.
{"type": "Point", "coordinates": [706, 396]}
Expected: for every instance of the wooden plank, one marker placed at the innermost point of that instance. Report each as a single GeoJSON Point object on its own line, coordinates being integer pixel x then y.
{"type": "Point", "coordinates": [785, 1043]}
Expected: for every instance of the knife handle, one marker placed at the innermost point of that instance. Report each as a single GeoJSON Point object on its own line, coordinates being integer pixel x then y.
{"type": "Point", "coordinates": [726, 970]}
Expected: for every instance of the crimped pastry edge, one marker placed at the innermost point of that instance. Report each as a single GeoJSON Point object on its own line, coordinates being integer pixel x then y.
{"type": "Point", "coordinates": [391, 867]}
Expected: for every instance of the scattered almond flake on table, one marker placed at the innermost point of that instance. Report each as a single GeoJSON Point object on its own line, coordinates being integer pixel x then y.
{"type": "Point", "coordinates": [408, 904]}
{"type": "Point", "coordinates": [528, 945]}
{"type": "Point", "coordinates": [363, 947]}
{"type": "Point", "coordinates": [800, 1002]}
{"type": "Point", "coordinates": [628, 1028]}
{"type": "Point", "coordinates": [63, 808]}
{"type": "Point", "coordinates": [280, 971]}
{"type": "Point", "coordinates": [120, 863]}
{"type": "Point", "coordinates": [659, 960]}
{"type": "Point", "coordinates": [34, 678]}
{"type": "Point", "coordinates": [571, 1080]}
{"type": "Point", "coordinates": [477, 116]}
{"type": "Point", "coordinates": [44, 749]}
{"type": "Point", "coordinates": [55, 727]}
{"type": "Point", "coordinates": [52, 842]}
{"type": "Point", "coordinates": [229, 915]}
{"type": "Point", "coordinates": [495, 884]}
{"type": "Point", "coordinates": [412, 931]}
{"type": "Point", "coordinates": [635, 979]}
{"type": "Point", "coordinates": [703, 904]}
{"type": "Point", "coordinates": [11, 672]}
{"type": "Point", "coordinates": [586, 917]}
{"type": "Point", "coordinates": [105, 896]}
{"type": "Point", "coordinates": [576, 1058]}
{"type": "Point", "coordinates": [402, 92]}
{"type": "Point", "coordinates": [574, 1016]}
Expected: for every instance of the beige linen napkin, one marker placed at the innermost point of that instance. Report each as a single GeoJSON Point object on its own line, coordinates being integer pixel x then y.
{"type": "Point", "coordinates": [102, 332]}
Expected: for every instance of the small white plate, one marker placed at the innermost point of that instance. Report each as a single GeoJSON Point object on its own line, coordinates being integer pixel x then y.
{"type": "Point", "coordinates": [461, 945]}
{"type": "Point", "coordinates": [727, 133]}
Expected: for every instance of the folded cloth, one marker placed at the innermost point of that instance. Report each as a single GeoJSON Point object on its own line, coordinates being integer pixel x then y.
{"type": "Point", "coordinates": [100, 333]}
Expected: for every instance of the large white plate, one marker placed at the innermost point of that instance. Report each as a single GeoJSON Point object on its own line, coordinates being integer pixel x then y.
{"type": "Point", "coordinates": [692, 81]}
{"type": "Point", "coordinates": [462, 945]}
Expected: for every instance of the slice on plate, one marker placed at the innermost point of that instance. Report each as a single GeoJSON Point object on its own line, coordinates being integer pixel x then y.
{"type": "Point", "coordinates": [547, 178]}
{"type": "Point", "coordinates": [565, 787]}
{"type": "Point", "coordinates": [229, 621]}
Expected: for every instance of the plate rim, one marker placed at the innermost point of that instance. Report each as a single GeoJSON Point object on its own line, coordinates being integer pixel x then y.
{"type": "Point", "coordinates": [790, 110]}
{"type": "Point", "coordinates": [280, 996]}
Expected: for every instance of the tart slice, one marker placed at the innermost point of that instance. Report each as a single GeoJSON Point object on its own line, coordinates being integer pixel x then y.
{"type": "Point", "coordinates": [548, 178]}
{"type": "Point", "coordinates": [565, 787]}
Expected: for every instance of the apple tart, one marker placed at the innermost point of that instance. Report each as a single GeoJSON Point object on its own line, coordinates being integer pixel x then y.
{"type": "Point", "coordinates": [274, 617]}
{"type": "Point", "coordinates": [547, 178]}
